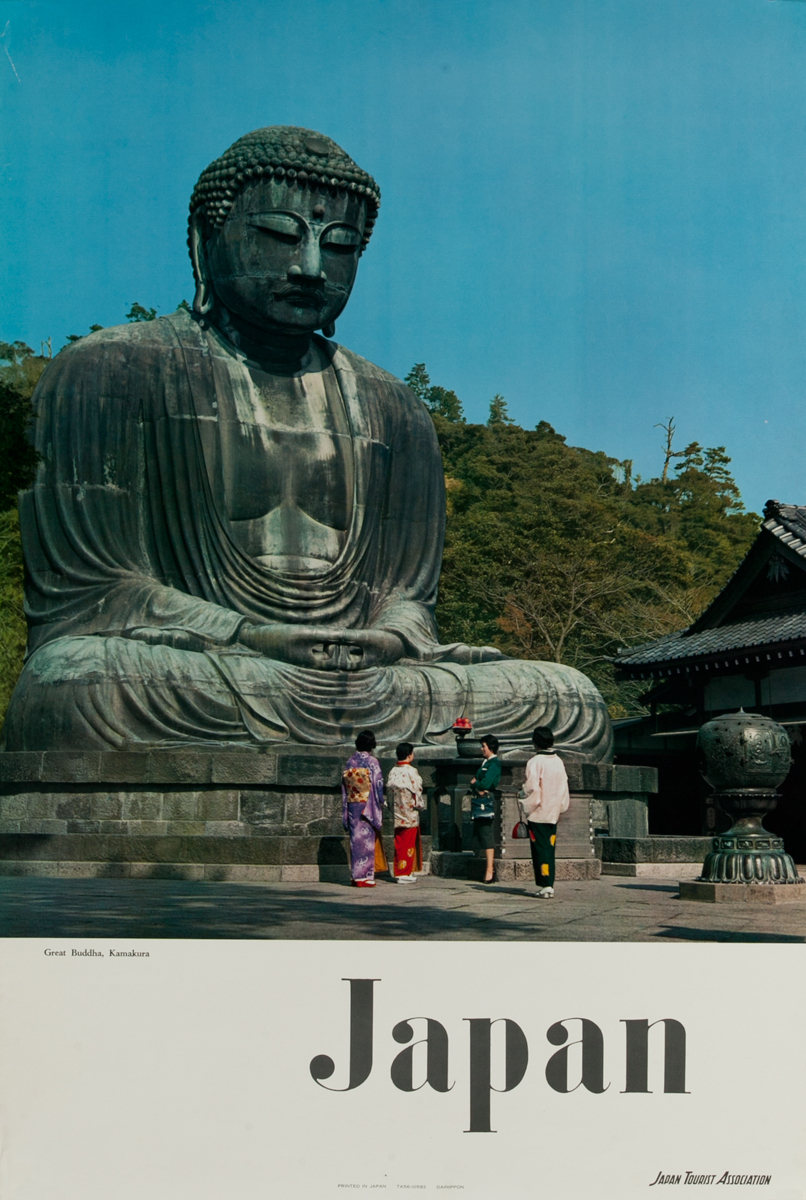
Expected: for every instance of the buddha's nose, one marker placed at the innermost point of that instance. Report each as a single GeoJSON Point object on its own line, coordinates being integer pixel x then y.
{"type": "Point", "coordinates": [310, 262]}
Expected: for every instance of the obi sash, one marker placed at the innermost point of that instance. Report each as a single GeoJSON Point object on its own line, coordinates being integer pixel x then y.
{"type": "Point", "coordinates": [357, 784]}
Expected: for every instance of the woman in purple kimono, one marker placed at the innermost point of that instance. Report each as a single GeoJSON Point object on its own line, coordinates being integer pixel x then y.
{"type": "Point", "coordinates": [362, 803]}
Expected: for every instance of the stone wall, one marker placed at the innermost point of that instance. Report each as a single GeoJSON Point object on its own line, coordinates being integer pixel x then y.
{"type": "Point", "coordinates": [255, 815]}
{"type": "Point", "coordinates": [229, 815]}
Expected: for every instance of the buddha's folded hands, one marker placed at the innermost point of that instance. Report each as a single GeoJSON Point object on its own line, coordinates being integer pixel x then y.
{"type": "Point", "coordinates": [324, 648]}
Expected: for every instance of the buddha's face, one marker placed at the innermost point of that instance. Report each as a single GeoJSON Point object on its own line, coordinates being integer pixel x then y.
{"type": "Point", "coordinates": [286, 257]}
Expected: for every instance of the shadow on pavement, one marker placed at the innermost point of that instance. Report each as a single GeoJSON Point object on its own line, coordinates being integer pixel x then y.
{"type": "Point", "coordinates": [497, 890]}
{"type": "Point", "coordinates": [725, 935]}
{"type": "Point", "coordinates": [649, 887]}
{"type": "Point", "coordinates": [164, 908]}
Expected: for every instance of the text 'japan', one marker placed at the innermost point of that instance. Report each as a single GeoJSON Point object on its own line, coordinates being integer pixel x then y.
{"type": "Point", "coordinates": [588, 1071]}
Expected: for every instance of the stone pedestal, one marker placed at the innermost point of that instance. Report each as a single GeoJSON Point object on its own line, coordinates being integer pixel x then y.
{"type": "Point", "coordinates": [742, 893]}
{"type": "Point", "coordinates": [747, 852]}
{"type": "Point", "coordinates": [266, 815]}
{"type": "Point", "coordinates": [236, 815]}
{"type": "Point", "coordinates": [601, 795]}
{"type": "Point", "coordinates": [659, 857]}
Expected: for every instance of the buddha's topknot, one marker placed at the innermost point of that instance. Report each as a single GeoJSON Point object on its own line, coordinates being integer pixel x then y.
{"type": "Point", "coordinates": [284, 152]}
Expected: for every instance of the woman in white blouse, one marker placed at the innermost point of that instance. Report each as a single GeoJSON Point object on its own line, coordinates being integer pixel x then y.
{"type": "Point", "coordinates": [543, 797]}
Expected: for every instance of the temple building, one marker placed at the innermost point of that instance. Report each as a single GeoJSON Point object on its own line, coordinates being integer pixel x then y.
{"type": "Point", "coordinates": [747, 650]}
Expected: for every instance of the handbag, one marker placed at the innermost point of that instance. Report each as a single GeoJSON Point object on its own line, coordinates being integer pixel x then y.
{"type": "Point", "coordinates": [521, 829]}
{"type": "Point", "coordinates": [482, 807]}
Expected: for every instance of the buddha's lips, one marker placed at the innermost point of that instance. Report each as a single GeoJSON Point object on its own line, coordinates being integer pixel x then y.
{"type": "Point", "coordinates": [302, 297]}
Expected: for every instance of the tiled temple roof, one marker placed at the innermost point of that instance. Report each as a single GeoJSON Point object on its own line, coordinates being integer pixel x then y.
{"type": "Point", "coordinates": [765, 630]}
{"type": "Point", "coordinates": [787, 522]}
{"type": "Point", "coordinates": [713, 634]}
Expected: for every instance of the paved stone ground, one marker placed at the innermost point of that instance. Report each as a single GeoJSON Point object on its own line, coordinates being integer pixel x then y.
{"type": "Point", "coordinates": [611, 909]}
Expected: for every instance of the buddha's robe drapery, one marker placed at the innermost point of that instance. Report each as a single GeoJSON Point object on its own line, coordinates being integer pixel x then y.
{"type": "Point", "coordinates": [136, 587]}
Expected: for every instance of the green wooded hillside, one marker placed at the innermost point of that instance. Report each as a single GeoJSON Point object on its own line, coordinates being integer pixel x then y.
{"type": "Point", "coordinates": [556, 552]}
{"type": "Point", "coordinates": [552, 551]}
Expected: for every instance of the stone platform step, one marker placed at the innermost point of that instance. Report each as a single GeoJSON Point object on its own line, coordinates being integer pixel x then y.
{"type": "Point", "coordinates": [240, 857]}
{"type": "Point", "coordinates": [465, 865]}
{"type": "Point", "coordinates": [211, 872]}
{"type": "Point", "coordinates": [669, 850]}
{"type": "Point", "coordinates": [744, 893]}
{"type": "Point", "coordinates": [652, 870]}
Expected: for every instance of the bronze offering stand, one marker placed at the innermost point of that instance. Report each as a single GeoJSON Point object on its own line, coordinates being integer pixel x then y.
{"type": "Point", "coordinates": [745, 757]}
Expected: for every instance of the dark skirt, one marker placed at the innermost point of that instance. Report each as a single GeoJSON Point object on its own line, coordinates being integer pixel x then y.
{"type": "Point", "coordinates": [483, 835]}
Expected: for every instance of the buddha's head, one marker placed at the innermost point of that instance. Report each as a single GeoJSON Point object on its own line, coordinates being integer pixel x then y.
{"type": "Point", "coordinates": [277, 225]}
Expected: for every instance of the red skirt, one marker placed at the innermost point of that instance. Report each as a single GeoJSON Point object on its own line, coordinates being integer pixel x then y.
{"type": "Point", "coordinates": [408, 851]}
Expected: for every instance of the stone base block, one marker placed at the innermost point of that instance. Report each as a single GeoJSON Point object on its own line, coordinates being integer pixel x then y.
{"type": "Point", "coordinates": [577, 868]}
{"type": "Point", "coordinates": [743, 893]}
{"type": "Point", "coordinates": [508, 870]}
{"type": "Point", "coordinates": [446, 864]}
{"type": "Point", "coordinates": [211, 872]}
{"type": "Point", "coordinates": [238, 816]}
{"type": "Point", "coordinates": [668, 850]}
{"type": "Point", "coordinates": [268, 816]}
{"type": "Point", "coordinates": [653, 870]}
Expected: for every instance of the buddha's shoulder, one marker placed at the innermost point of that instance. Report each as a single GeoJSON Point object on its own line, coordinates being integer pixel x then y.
{"type": "Point", "coordinates": [118, 359]}
{"type": "Point", "coordinates": [364, 368]}
{"type": "Point", "coordinates": [123, 341]}
{"type": "Point", "coordinates": [371, 375]}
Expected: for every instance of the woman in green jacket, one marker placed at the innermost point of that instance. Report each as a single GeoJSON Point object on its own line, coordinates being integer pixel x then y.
{"type": "Point", "coordinates": [482, 795]}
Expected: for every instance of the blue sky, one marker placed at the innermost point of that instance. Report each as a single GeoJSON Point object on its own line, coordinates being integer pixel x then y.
{"type": "Point", "coordinates": [595, 207]}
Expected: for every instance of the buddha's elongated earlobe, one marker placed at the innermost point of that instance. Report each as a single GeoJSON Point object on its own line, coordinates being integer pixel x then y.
{"type": "Point", "coordinates": [203, 299]}
{"type": "Point", "coordinates": [329, 330]}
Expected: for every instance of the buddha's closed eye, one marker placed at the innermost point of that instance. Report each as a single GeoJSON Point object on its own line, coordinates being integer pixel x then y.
{"type": "Point", "coordinates": [341, 240]}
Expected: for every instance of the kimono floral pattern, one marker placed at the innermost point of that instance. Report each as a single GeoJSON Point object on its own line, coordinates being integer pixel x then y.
{"type": "Point", "coordinates": [363, 817]}
{"type": "Point", "coordinates": [405, 788]}
{"type": "Point", "coordinates": [406, 792]}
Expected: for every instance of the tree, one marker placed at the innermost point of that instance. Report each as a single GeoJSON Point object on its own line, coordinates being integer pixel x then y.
{"type": "Point", "coordinates": [419, 381]}
{"type": "Point", "coordinates": [669, 453]}
{"type": "Point", "coordinates": [138, 313]}
{"type": "Point", "coordinates": [440, 401]}
{"type": "Point", "coordinates": [499, 412]}
{"type": "Point", "coordinates": [557, 552]}
{"type": "Point", "coordinates": [15, 352]}
{"type": "Point", "coordinates": [23, 367]}
{"type": "Point", "coordinates": [13, 629]}
{"type": "Point", "coordinates": [77, 337]}
{"type": "Point", "coordinates": [18, 458]}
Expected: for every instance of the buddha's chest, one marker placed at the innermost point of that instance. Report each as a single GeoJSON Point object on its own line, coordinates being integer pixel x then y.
{"type": "Point", "coordinates": [287, 465]}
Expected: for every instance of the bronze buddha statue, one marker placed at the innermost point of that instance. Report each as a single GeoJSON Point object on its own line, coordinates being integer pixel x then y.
{"type": "Point", "coordinates": [236, 530]}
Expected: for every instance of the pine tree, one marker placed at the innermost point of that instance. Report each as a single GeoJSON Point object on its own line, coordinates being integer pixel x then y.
{"type": "Point", "coordinates": [499, 412]}
{"type": "Point", "coordinates": [419, 381]}
{"type": "Point", "coordinates": [439, 400]}
{"type": "Point", "coordinates": [138, 313]}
